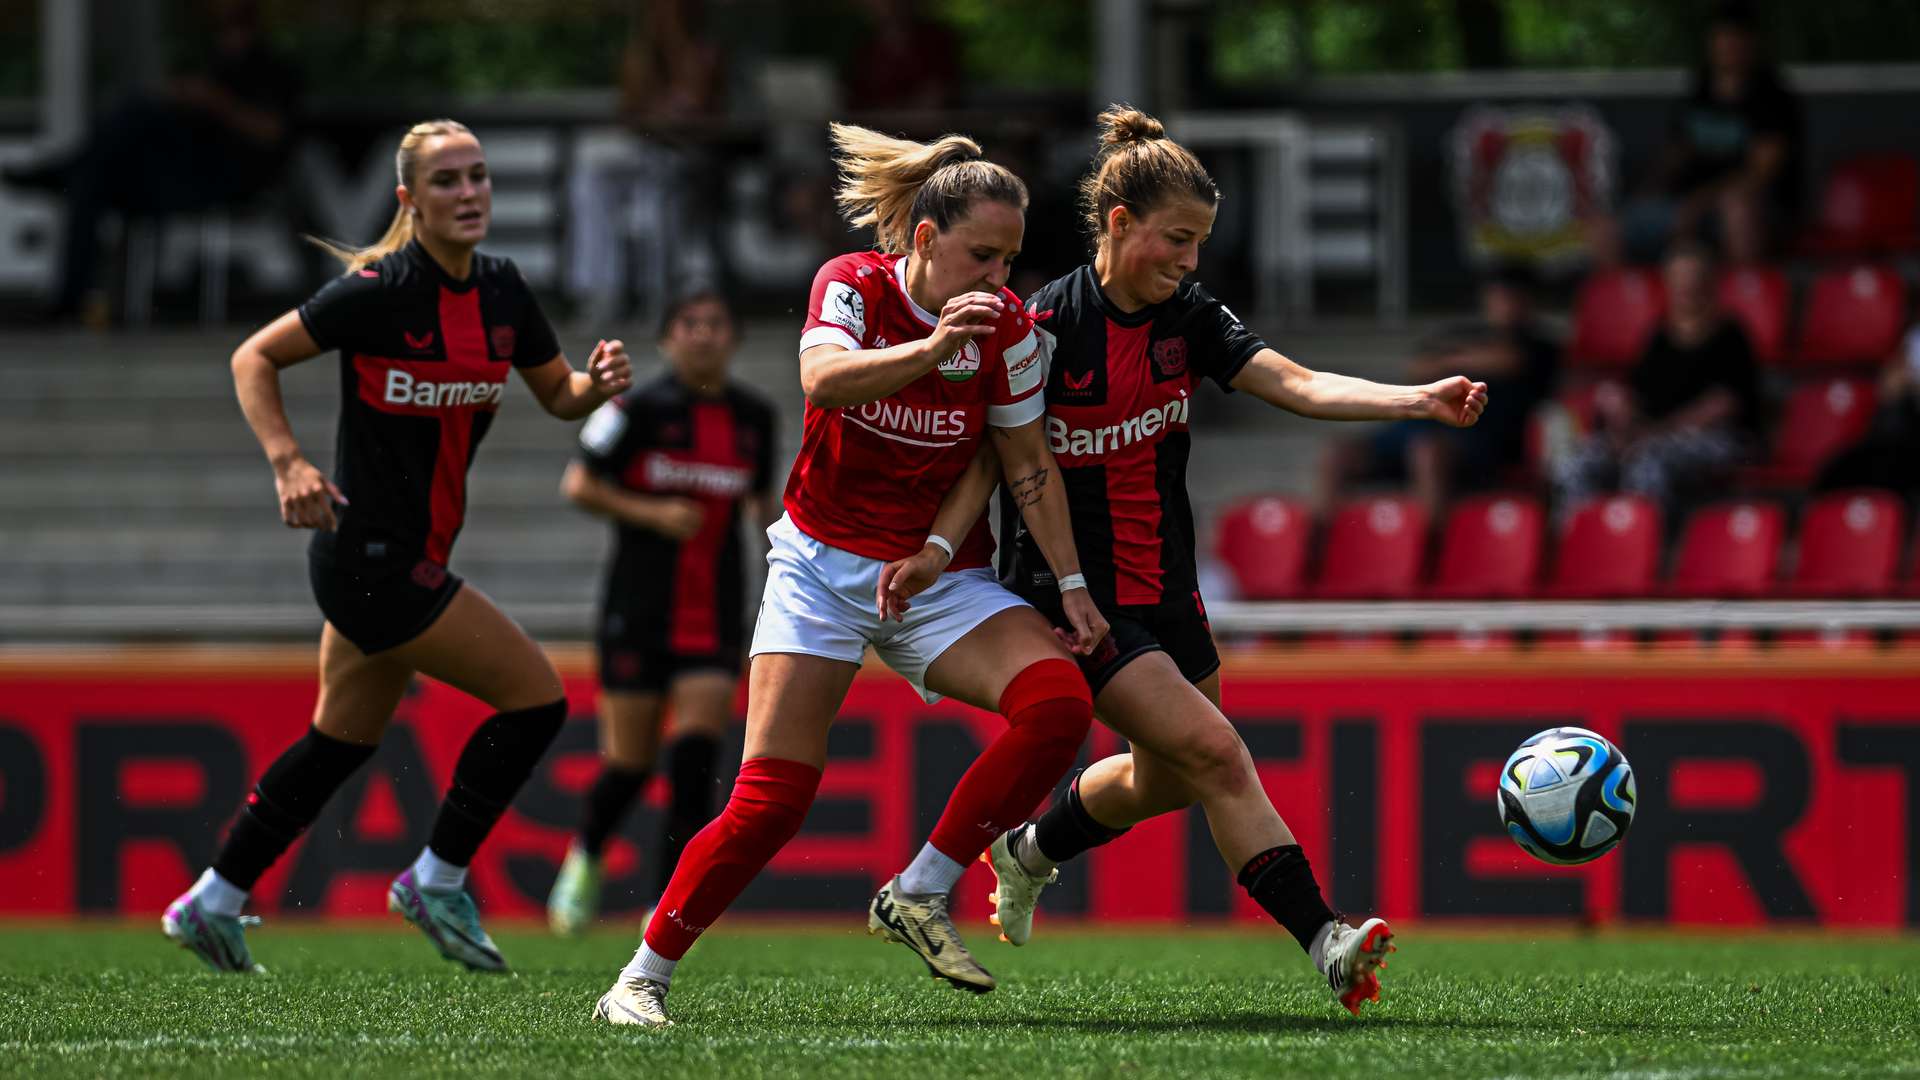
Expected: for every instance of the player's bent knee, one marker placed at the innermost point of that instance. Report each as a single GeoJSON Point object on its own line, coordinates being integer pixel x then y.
{"type": "Point", "coordinates": [1049, 698]}
{"type": "Point", "coordinates": [1215, 761]}
{"type": "Point", "coordinates": [770, 800]}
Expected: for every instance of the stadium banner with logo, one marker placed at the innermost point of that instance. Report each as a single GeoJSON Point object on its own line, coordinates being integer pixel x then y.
{"type": "Point", "coordinates": [1768, 794]}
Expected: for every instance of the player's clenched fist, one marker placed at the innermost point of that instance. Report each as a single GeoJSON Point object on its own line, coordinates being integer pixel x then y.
{"type": "Point", "coordinates": [306, 496]}
{"type": "Point", "coordinates": [609, 367]}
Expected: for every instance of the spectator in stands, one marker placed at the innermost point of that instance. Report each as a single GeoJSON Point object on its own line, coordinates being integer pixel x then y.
{"type": "Point", "coordinates": [672, 75]}
{"type": "Point", "coordinates": [1689, 411]}
{"type": "Point", "coordinates": [212, 137]}
{"type": "Point", "coordinates": [1889, 455]}
{"type": "Point", "coordinates": [1508, 349]}
{"type": "Point", "coordinates": [1731, 168]}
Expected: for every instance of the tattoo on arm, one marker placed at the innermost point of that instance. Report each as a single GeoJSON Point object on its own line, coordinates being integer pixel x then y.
{"type": "Point", "coordinates": [1028, 489]}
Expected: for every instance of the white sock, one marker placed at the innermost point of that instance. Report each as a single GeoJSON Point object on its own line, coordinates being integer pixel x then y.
{"type": "Point", "coordinates": [647, 964]}
{"type": "Point", "coordinates": [217, 894]}
{"type": "Point", "coordinates": [434, 874]}
{"type": "Point", "coordinates": [930, 872]}
{"type": "Point", "coordinates": [1027, 850]}
{"type": "Point", "coordinates": [1317, 951]}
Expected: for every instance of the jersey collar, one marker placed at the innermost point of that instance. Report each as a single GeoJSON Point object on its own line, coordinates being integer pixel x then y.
{"type": "Point", "coordinates": [900, 277]}
{"type": "Point", "coordinates": [1113, 313]}
{"type": "Point", "coordinates": [418, 254]}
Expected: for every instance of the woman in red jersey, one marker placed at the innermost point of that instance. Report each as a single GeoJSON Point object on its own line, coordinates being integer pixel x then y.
{"type": "Point", "coordinates": [898, 399]}
{"type": "Point", "coordinates": [1133, 338]}
{"type": "Point", "coordinates": [426, 328]}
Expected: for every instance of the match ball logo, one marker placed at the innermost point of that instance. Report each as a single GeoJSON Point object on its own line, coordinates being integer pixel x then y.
{"type": "Point", "coordinates": [962, 365]}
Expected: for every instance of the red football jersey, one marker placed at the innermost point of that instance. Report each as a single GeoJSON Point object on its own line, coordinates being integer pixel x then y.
{"type": "Point", "coordinates": [870, 478]}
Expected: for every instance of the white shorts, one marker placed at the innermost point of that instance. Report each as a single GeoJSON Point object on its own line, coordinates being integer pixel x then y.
{"type": "Point", "coordinates": [819, 602]}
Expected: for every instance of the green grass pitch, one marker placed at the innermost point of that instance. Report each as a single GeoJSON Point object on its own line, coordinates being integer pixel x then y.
{"type": "Point", "coordinates": [365, 999]}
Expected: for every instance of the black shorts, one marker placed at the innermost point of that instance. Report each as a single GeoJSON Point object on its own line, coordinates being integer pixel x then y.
{"type": "Point", "coordinates": [637, 655]}
{"type": "Point", "coordinates": [377, 593]}
{"type": "Point", "coordinates": [1176, 626]}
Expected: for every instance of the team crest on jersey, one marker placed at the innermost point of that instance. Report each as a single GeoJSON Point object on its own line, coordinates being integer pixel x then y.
{"type": "Point", "coordinates": [1170, 358]}
{"type": "Point", "coordinates": [843, 307]}
{"type": "Point", "coordinates": [502, 338]}
{"type": "Point", "coordinates": [962, 365]}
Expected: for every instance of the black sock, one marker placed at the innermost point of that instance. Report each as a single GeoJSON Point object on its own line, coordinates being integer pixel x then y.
{"type": "Point", "coordinates": [608, 800]}
{"type": "Point", "coordinates": [1281, 881]}
{"type": "Point", "coordinates": [496, 761]}
{"type": "Point", "coordinates": [1066, 829]}
{"type": "Point", "coordinates": [285, 801]}
{"type": "Point", "coordinates": [691, 768]}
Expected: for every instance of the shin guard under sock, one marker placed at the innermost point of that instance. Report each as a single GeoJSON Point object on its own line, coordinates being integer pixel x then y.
{"type": "Point", "coordinates": [496, 761]}
{"type": "Point", "coordinates": [287, 799]}
{"type": "Point", "coordinates": [770, 800]}
{"type": "Point", "coordinates": [1048, 710]}
{"type": "Point", "coordinates": [606, 804]}
{"type": "Point", "coordinates": [690, 768]}
{"type": "Point", "coordinates": [1281, 881]}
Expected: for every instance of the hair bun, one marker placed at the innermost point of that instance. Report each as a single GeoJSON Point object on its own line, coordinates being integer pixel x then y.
{"type": "Point", "coordinates": [1121, 125]}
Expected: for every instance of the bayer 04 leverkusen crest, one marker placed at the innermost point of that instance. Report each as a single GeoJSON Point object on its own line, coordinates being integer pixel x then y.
{"type": "Point", "coordinates": [1527, 180]}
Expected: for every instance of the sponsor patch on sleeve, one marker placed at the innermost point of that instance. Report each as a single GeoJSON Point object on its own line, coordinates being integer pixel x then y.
{"type": "Point", "coordinates": [1027, 362]}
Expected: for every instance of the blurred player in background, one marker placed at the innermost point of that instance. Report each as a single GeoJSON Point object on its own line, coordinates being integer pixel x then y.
{"type": "Point", "coordinates": [1133, 339]}
{"type": "Point", "coordinates": [898, 400]}
{"type": "Point", "coordinates": [671, 463]}
{"type": "Point", "coordinates": [426, 328]}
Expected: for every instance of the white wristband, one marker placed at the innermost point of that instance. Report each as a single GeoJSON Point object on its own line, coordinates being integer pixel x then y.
{"type": "Point", "coordinates": [941, 542]}
{"type": "Point", "coordinates": [1073, 581]}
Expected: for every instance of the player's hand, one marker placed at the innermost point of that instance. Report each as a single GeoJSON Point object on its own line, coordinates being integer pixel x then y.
{"type": "Point", "coordinates": [1456, 402]}
{"type": "Point", "coordinates": [902, 579]}
{"type": "Point", "coordinates": [609, 367]}
{"type": "Point", "coordinates": [1089, 626]}
{"type": "Point", "coordinates": [678, 519]}
{"type": "Point", "coordinates": [306, 496]}
{"type": "Point", "coordinates": [965, 317]}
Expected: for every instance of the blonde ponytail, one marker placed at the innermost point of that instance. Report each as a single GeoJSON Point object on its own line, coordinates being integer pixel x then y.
{"type": "Point", "coordinates": [400, 230]}
{"type": "Point", "coordinates": [893, 184]}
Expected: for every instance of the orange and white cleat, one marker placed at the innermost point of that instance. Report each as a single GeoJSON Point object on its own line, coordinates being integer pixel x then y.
{"type": "Point", "coordinates": [1016, 890]}
{"type": "Point", "coordinates": [1355, 955]}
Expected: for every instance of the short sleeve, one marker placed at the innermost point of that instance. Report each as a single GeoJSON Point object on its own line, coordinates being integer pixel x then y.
{"type": "Point", "coordinates": [836, 307]}
{"type": "Point", "coordinates": [608, 438]}
{"type": "Point", "coordinates": [534, 340]}
{"type": "Point", "coordinates": [342, 306]}
{"type": "Point", "coordinates": [1020, 397]}
{"type": "Point", "coordinates": [1221, 343]}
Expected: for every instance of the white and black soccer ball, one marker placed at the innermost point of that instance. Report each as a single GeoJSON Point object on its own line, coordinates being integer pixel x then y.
{"type": "Point", "coordinates": [1566, 796]}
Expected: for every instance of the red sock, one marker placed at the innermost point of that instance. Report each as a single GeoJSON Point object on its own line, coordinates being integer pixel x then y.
{"type": "Point", "coordinates": [1048, 710]}
{"type": "Point", "coordinates": [769, 801]}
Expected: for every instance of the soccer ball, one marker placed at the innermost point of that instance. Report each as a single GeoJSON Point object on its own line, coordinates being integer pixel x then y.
{"type": "Point", "coordinates": [1566, 796]}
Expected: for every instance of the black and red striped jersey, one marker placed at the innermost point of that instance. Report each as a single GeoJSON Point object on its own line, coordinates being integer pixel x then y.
{"type": "Point", "coordinates": [662, 438]}
{"type": "Point", "coordinates": [1119, 398]}
{"type": "Point", "coordinates": [423, 367]}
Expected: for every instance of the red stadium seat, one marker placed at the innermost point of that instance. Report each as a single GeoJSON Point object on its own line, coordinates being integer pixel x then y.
{"type": "Point", "coordinates": [1849, 545]}
{"type": "Point", "coordinates": [1609, 548]}
{"type": "Point", "coordinates": [1373, 550]}
{"type": "Point", "coordinates": [1757, 296]}
{"type": "Point", "coordinates": [1822, 417]}
{"type": "Point", "coordinates": [1613, 315]}
{"type": "Point", "coordinates": [1491, 548]}
{"type": "Point", "coordinates": [1870, 204]}
{"type": "Point", "coordinates": [1263, 542]}
{"type": "Point", "coordinates": [1729, 550]}
{"type": "Point", "coordinates": [1853, 317]}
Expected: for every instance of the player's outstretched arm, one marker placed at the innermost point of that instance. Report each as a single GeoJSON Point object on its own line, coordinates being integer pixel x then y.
{"type": "Point", "coordinates": [1456, 401]}
{"type": "Point", "coordinates": [306, 495]}
{"type": "Point", "coordinates": [1034, 485]}
{"type": "Point", "coordinates": [668, 515]}
{"type": "Point", "coordinates": [903, 579]}
{"type": "Point", "coordinates": [570, 394]}
{"type": "Point", "coordinates": [833, 376]}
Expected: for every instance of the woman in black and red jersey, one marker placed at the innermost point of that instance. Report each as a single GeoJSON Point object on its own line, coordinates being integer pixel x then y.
{"type": "Point", "coordinates": [1133, 338]}
{"type": "Point", "coordinates": [426, 328]}
{"type": "Point", "coordinates": [898, 401]}
{"type": "Point", "coordinates": [672, 463]}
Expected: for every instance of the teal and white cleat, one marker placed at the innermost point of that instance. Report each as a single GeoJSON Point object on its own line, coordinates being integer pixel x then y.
{"type": "Point", "coordinates": [1015, 892]}
{"type": "Point", "coordinates": [575, 898]}
{"type": "Point", "coordinates": [634, 1002]}
{"type": "Point", "coordinates": [218, 940]}
{"type": "Point", "coordinates": [449, 920]}
{"type": "Point", "coordinates": [1354, 958]}
{"type": "Point", "coordinates": [922, 924]}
